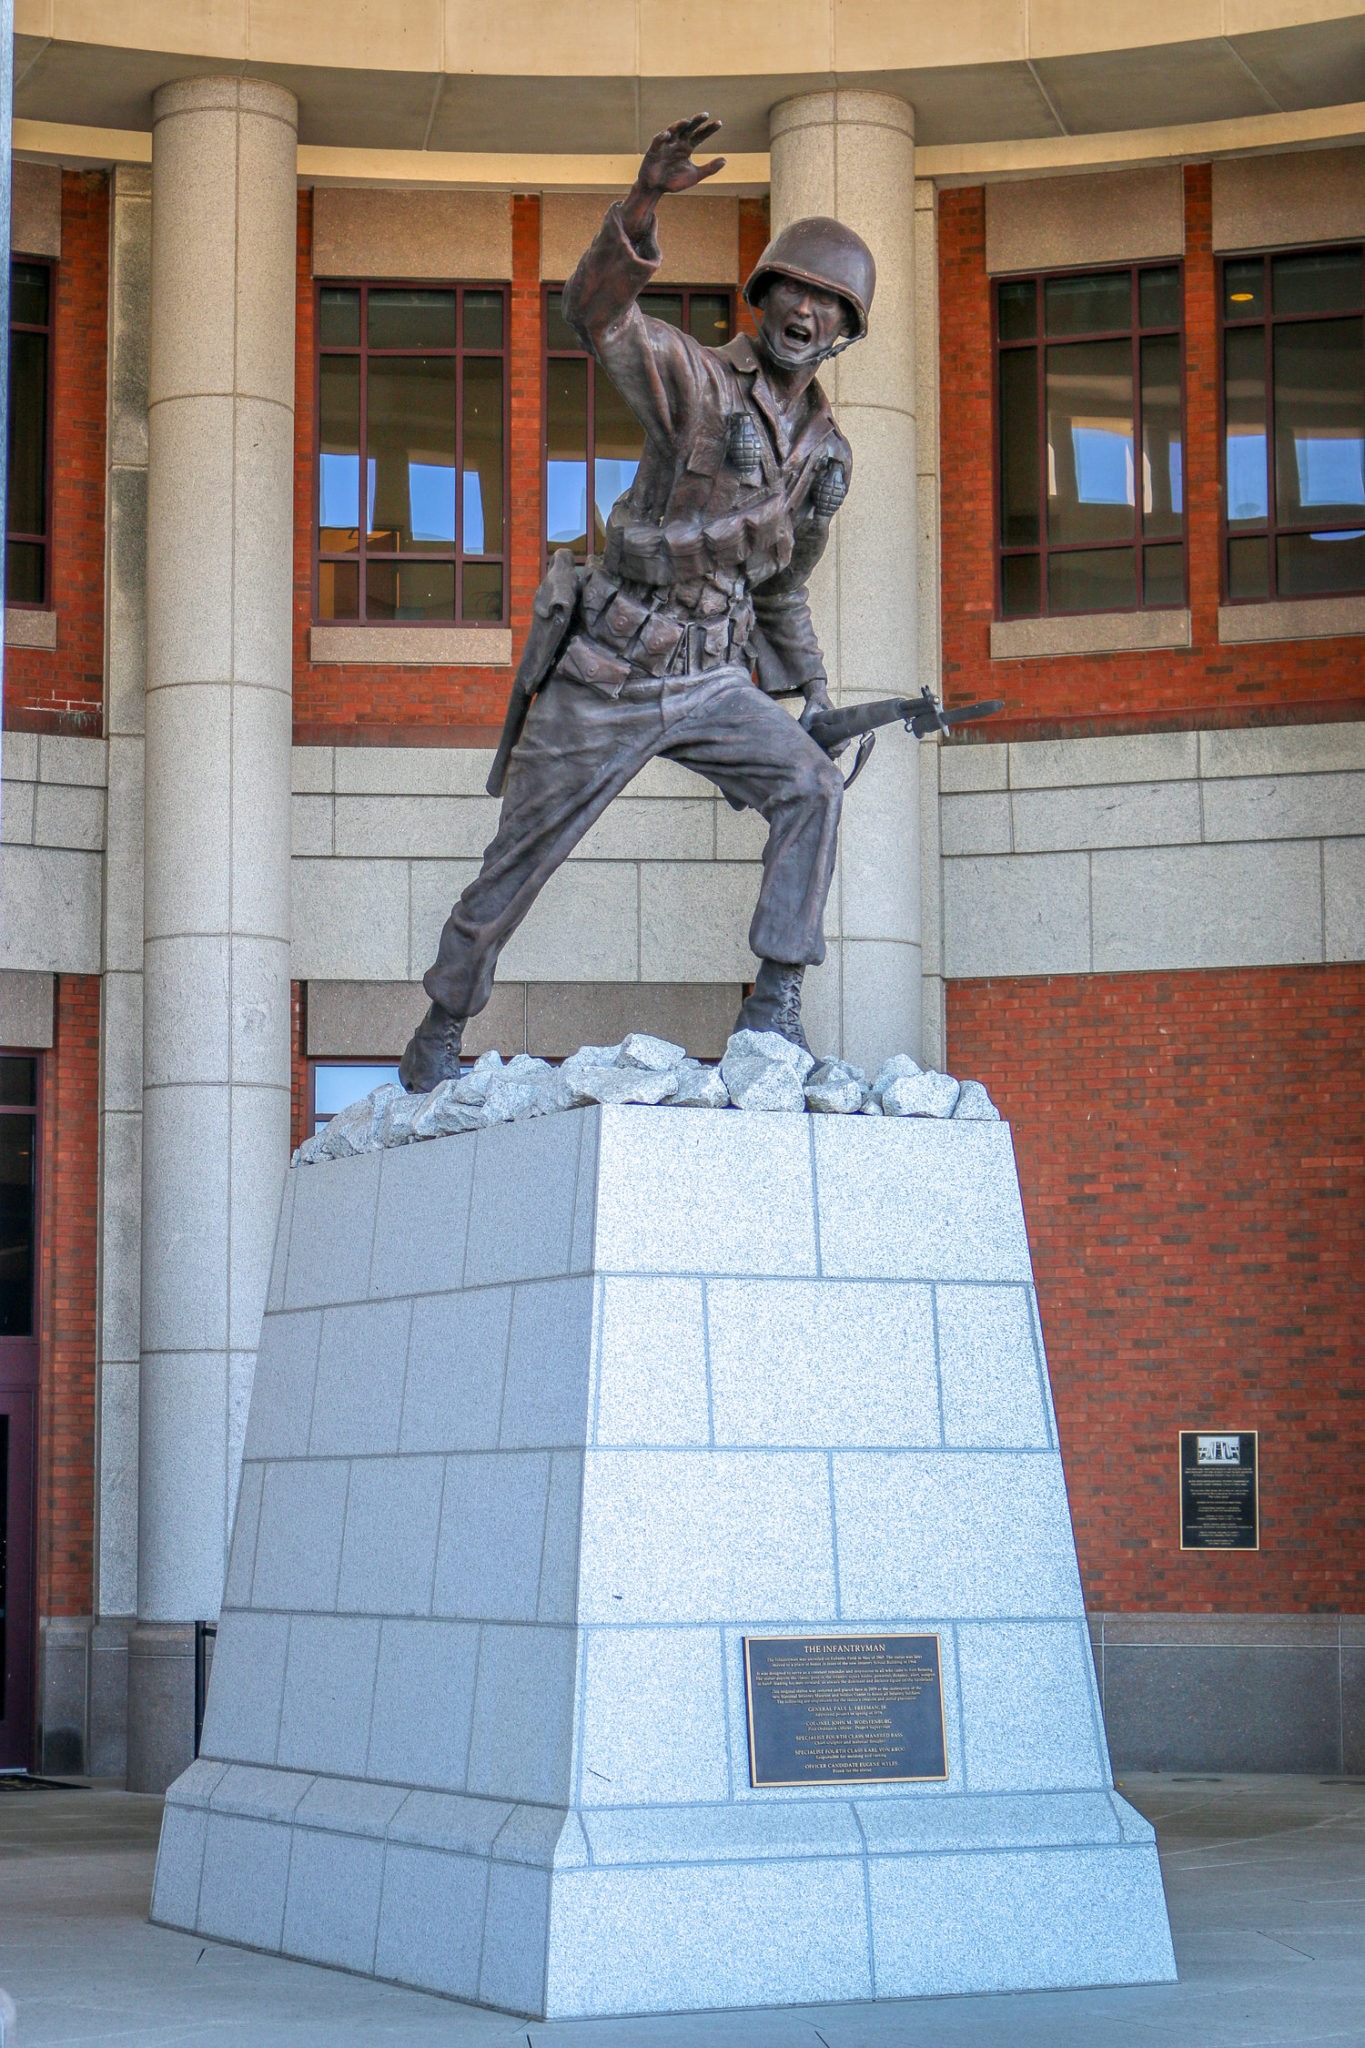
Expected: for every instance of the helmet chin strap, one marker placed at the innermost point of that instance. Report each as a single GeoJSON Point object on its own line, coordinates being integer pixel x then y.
{"type": "Point", "coordinates": [824, 355]}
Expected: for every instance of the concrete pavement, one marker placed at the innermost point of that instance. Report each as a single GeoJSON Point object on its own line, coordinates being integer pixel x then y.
{"type": "Point", "coordinates": [1265, 1878]}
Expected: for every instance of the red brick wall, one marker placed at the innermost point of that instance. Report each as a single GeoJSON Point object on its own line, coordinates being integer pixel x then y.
{"type": "Point", "coordinates": [374, 706]}
{"type": "Point", "coordinates": [63, 691]}
{"type": "Point", "coordinates": [1204, 684]}
{"type": "Point", "coordinates": [66, 1414]}
{"type": "Point", "coordinates": [300, 1093]}
{"type": "Point", "coordinates": [1192, 1153]}
{"type": "Point", "coordinates": [753, 240]}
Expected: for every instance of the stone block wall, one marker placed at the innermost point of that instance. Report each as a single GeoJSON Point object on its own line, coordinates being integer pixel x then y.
{"type": "Point", "coordinates": [53, 822]}
{"type": "Point", "coordinates": [661, 890]}
{"type": "Point", "coordinates": [1154, 851]}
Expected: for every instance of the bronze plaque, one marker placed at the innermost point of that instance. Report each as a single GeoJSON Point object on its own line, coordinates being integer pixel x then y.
{"type": "Point", "coordinates": [844, 1710]}
{"type": "Point", "coordinates": [1219, 1494]}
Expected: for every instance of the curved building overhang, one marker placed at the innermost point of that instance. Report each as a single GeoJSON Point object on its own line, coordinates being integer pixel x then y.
{"type": "Point", "coordinates": [594, 78]}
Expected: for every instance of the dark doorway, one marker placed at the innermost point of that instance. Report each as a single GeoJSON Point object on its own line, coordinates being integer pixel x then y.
{"type": "Point", "coordinates": [20, 1086]}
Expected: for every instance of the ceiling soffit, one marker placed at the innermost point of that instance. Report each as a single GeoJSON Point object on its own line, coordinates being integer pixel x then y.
{"type": "Point", "coordinates": [1001, 98]}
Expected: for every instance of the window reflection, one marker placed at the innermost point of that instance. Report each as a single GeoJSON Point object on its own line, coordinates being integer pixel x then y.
{"type": "Point", "coordinates": [482, 454]}
{"type": "Point", "coordinates": [1248, 486]}
{"type": "Point", "coordinates": [336, 1087]}
{"type": "Point", "coordinates": [1294, 404]}
{"type": "Point", "coordinates": [566, 424]}
{"type": "Point", "coordinates": [1319, 421]}
{"type": "Point", "coordinates": [1090, 441]}
{"type": "Point", "coordinates": [393, 376]}
{"type": "Point", "coordinates": [618, 443]}
{"type": "Point", "coordinates": [1019, 447]}
{"type": "Point", "coordinates": [1163, 482]}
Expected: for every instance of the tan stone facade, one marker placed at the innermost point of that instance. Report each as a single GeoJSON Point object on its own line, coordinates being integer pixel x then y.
{"type": "Point", "coordinates": [1174, 791]}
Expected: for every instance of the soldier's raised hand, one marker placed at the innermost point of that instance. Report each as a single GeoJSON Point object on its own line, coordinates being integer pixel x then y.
{"type": "Point", "coordinates": [667, 165]}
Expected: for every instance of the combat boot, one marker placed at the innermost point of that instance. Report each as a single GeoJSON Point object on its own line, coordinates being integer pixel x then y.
{"type": "Point", "coordinates": [433, 1053]}
{"type": "Point", "coordinates": [775, 1004]}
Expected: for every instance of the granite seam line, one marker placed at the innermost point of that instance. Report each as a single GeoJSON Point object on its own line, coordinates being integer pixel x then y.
{"type": "Point", "coordinates": [866, 1868]}
{"type": "Point", "coordinates": [1092, 1691]}
{"type": "Point", "coordinates": [753, 1800]}
{"type": "Point", "coordinates": [1040, 1372]}
{"type": "Point", "coordinates": [599, 1291]}
{"type": "Point", "coordinates": [580, 1700]}
{"type": "Point", "coordinates": [953, 1633]}
{"type": "Point", "coordinates": [407, 1371]}
{"type": "Point", "coordinates": [710, 1444]}
{"type": "Point", "coordinates": [374, 1689]}
{"type": "Point", "coordinates": [834, 1536]}
{"type": "Point", "coordinates": [938, 1366]}
{"type": "Point", "coordinates": [878, 1625]}
{"type": "Point", "coordinates": [473, 1701]}
{"type": "Point", "coordinates": [544, 1525]}
{"type": "Point", "coordinates": [723, 1648]}
{"type": "Point", "coordinates": [730, 1861]}
{"type": "Point", "coordinates": [499, 1448]}
{"type": "Point", "coordinates": [632, 1449]}
{"type": "Point", "coordinates": [815, 1200]}
{"type": "Point", "coordinates": [704, 1273]}
{"type": "Point", "coordinates": [275, 1763]}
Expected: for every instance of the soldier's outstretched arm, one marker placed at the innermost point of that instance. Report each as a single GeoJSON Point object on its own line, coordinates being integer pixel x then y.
{"type": "Point", "coordinates": [650, 362]}
{"type": "Point", "coordinates": [667, 166]}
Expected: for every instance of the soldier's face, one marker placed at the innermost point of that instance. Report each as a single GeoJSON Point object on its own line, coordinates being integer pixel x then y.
{"type": "Point", "coordinates": [800, 323]}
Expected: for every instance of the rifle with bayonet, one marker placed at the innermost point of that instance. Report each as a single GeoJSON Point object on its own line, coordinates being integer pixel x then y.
{"type": "Point", "coordinates": [833, 729]}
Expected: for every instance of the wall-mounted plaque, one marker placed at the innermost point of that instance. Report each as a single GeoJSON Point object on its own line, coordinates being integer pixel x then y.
{"type": "Point", "coordinates": [1219, 1503]}
{"type": "Point", "coordinates": [844, 1710]}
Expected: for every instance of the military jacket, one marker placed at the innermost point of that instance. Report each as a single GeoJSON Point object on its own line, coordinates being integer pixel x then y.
{"type": "Point", "coordinates": [707, 554]}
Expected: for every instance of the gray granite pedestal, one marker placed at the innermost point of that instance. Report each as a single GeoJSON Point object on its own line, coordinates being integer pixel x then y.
{"type": "Point", "coordinates": [547, 1419]}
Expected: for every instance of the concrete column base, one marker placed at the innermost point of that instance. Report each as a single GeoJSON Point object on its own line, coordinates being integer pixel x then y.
{"type": "Point", "coordinates": [63, 1695]}
{"type": "Point", "coordinates": [83, 1697]}
{"type": "Point", "coordinates": [160, 1703]}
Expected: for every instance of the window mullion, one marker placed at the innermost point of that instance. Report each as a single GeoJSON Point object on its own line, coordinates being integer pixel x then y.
{"type": "Point", "coordinates": [362, 538]}
{"type": "Point", "coordinates": [458, 608]}
{"type": "Point", "coordinates": [1044, 533]}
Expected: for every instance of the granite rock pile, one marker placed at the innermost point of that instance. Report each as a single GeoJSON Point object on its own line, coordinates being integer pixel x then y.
{"type": "Point", "coordinates": [760, 1070]}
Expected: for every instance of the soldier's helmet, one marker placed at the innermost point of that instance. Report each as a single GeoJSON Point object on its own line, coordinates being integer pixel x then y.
{"type": "Point", "coordinates": [825, 253]}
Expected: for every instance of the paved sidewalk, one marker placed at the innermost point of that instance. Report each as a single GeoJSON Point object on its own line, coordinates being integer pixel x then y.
{"type": "Point", "coordinates": [1265, 1878]}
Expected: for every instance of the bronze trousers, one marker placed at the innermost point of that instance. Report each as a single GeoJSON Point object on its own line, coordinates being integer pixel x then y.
{"type": "Point", "coordinates": [580, 748]}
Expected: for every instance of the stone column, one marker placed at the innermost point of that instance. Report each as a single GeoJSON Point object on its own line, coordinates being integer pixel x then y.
{"type": "Point", "coordinates": [852, 155]}
{"type": "Point", "coordinates": [216, 943]}
{"type": "Point", "coordinates": [119, 1333]}
{"type": "Point", "coordinates": [934, 1042]}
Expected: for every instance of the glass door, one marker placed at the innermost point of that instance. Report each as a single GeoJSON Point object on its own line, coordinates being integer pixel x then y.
{"type": "Point", "coordinates": [19, 1230]}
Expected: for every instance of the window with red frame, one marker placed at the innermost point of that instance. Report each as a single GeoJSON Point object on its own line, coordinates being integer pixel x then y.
{"type": "Point", "coordinates": [1090, 442]}
{"type": "Point", "coordinates": [1294, 423]}
{"type": "Point", "coordinates": [27, 518]}
{"type": "Point", "coordinates": [593, 441]}
{"type": "Point", "coordinates": [414, 377]}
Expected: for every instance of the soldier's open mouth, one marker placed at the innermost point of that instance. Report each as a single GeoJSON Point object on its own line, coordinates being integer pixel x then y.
{"type": "Point", "coordinates": [797, 334]}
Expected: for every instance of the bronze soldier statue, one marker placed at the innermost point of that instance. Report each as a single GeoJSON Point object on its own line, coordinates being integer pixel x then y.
{"type": "Point", "coordinates": [695, 619]}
